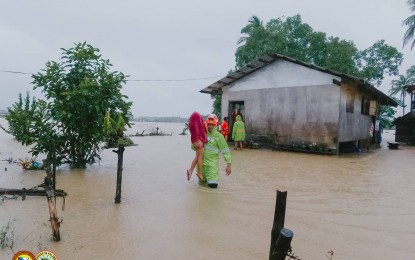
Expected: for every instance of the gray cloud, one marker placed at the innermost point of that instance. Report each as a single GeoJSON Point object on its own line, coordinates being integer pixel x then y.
{"type": "Point", "coordinates": [172, 40]}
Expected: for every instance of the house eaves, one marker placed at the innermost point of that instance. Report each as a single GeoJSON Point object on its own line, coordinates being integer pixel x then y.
{"type": "Point", "coordinates": [410, 89]}
{"type": "Point", "coordinates": [216, 87]}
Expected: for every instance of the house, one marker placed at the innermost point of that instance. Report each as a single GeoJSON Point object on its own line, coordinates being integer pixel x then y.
{"type": "Point", "coordinates": [285, 101]}
{"type": "Point", "coordinates": [405, 125]}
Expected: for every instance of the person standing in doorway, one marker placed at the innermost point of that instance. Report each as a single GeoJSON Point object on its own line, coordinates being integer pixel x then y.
{"type": "Point", "coordinates": [238, 132]}
{"type": "Point", "coordinates": [216, 144]}
{"type": "Point", "coordinates": [225, 128]}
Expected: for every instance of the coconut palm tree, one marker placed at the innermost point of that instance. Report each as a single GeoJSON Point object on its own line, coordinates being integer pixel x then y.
{"type": "Point", "coordinates": [254, 23]}
{"type": "Point", "coordinates": [399, 85]}
{"type": "Point", "coordinates": [410, 23]}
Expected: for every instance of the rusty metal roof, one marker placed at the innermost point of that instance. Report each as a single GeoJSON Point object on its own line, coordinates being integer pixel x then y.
{"type": "Point", "coordinates": [216, 87]}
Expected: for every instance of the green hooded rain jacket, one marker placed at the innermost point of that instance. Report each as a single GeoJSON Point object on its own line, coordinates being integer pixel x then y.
{"type": "Point", "coordinates": [238, 130]}
{"type": "Point", "coordinates": [216, 144]}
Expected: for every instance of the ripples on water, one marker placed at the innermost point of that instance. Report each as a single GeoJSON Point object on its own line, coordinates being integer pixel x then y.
{"type": "Point", "coordinates": [362, 206]}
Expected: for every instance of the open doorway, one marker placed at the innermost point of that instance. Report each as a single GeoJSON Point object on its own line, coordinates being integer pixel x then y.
{"type": "Point", "coordinates": [235, 108]}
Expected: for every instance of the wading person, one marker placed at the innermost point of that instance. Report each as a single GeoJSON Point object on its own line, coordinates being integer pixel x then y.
{"type": "Point", "coordinates": [215, 145]}
{"type": "Point", "coordinates": [198, 138]}
{"type": "Point", "coordinates": [225, 128]}
{"type": "Point", "coordinates": [238, 132]}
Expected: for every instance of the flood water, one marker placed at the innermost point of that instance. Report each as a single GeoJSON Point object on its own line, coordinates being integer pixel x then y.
{"type": "Point", "coordinates": [361, 206]}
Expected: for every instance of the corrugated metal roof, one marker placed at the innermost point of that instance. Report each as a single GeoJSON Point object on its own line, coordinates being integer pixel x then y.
{"type": "Point", "coordinates": [265, 60]}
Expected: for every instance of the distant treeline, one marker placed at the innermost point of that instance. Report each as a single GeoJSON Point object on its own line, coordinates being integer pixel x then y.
{"type": "Point", "coordinates": [167, 119]}
{"type": "Point", "coordinates": [3, 113]}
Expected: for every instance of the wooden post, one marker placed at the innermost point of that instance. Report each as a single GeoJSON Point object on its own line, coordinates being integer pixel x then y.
{"type": "Point", "coordinates": [51, 198]}
{"type": "Point", "coordinates": [278, 224]}
{"type": "Point", "coordinates": [120, 153]}
{"type": "Point", "coordinates": [53, 213]}
{"type": "Point", "coordinates": [283, 243]}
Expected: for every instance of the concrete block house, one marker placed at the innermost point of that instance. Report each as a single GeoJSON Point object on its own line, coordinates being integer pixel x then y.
{"type": "Point", "coordinates": [284, 101]}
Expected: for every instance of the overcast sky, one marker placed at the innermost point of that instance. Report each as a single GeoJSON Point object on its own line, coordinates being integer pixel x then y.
{"type": "Point", "coordinates": [173, 40]}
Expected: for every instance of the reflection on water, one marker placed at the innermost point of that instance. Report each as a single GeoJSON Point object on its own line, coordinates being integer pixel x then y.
{"type": "Point", "coordinates": [361, 206]}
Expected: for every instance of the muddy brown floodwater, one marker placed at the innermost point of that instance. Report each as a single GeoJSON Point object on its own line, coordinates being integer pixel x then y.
{"type": "Point", "coordinates": [361, 206]}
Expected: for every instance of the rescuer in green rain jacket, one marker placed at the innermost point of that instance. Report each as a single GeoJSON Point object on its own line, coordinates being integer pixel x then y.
{"type": "Point", "coordinates": [215, 145]}
{"type": "Point", "coordinates": [238, 132]}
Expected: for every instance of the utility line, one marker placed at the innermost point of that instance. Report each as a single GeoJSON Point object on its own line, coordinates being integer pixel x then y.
{"type": "Point", "coordinates": [16, 72]}
{"type": "Point", "coordinates": [157, 80]}
{"type": "Point", "coordinates": [143, 80]}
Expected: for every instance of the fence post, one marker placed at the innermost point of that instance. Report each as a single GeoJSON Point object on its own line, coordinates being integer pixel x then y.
{"type": "Point", "coordinates": [278, 224]}
{"type": "Point", "coordinates": [120, 153]}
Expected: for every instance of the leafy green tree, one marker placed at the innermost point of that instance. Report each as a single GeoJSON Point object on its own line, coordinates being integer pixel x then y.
{"type": "Point", "coordinates": [252, 49]}
{"type": "Point", "coordinates": [410, 23]}
{"type": "Point", "coordinates": [254, 24]}
{"type": "Point", "coordinates": [25, 118]}
{"type": "Point", "coordinates": [399, 86]}
{"type": "Point", "coordinates": [378, 60]}
{"type": "Point", "coordinates": [293, 38]}
{"type": "Point", "coordinates": [70, 122]}
{"type": "Point", "coordinates": [340, 56]}
{"type": "Point", "coordinates": [217, 104]}
{"type": "Point", "coordinates": [387, 116]}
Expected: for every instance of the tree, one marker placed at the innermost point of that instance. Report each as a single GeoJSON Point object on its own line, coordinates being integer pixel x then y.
{"type": "Point", "coordinates": [288, 37]}
{"type": "Point", "coordinates": [254, 24]}
{"type": "Point", "coordinates": [293, 38]}
{"type": "Point", "coordinates": [340, 56]}
{"type": "Point", "coordinates": [69, 123]}
{"type": "Point", "coordinates": [399, 86]}
{"type": "Point", "coordinates": [217, 105]}
{"type": "Point", "coordinates": [410, 23]}
{"type": "Point", "coordinates": [29, 123]}
{"type": "Point", "coordinates": [378, 60]}
{"type": "Point", "coordinates": [252, 49]}
{"type": "Point", "coordinates": [387, 116]}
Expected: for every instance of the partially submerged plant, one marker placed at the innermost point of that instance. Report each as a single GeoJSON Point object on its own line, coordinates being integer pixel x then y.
{"type": "Point", "coordinates": [30, 164]}
{"type": "Point", "coordinates": [7, 238]}
{"type": "Point", "coordinates": [114, 131]}
{"type": "Point", "coordinates": [330, 254]}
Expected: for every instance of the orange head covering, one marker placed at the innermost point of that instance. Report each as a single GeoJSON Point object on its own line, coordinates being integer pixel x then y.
{"type": "Point", "coordinates": [212, 119]}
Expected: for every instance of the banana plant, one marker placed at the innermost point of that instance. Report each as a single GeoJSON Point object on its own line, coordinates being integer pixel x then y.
{"type": "Point", "coordinates": [114, 131]}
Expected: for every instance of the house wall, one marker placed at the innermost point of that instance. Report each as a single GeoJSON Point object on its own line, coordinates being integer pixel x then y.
{"type": "Point", "coordinates": [302, 114]}
{"type": "Point", "coordinates": [288, 103]}
{"type": "Point", "coordinates": [352, 126]}
{"type": "Point", "coordinates": [281, 74]}
{"type": "Point", "coordinates": [405, 129]}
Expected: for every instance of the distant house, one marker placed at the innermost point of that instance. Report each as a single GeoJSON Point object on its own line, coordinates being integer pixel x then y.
{"type": "Point", "coordinates": [284, 101]}
{"type": "Point", "coordinates": [405, 125]}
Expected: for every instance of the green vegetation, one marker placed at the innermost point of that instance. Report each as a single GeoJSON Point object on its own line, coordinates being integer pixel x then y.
{"type": "Point", "coordinates": [293, 38]}
{"type": "Point", "coordinates": [387, 116]}
{"type": "Point", "coordinates": [68, 125]}
{"type": "Point", "coordinates": [410, 23]}
{"type": "Point", "coordinates": [399, 86]}
{"type": "Point", "coordinates": [114, 131]}
{"type": "Point", "coordinates": [7, 238]}
{"type": "Point", "coordinates": [217, 105]}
